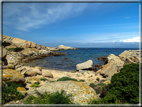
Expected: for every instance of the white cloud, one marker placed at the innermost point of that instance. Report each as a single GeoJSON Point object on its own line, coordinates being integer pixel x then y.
{"type": "Point", "coordinates": [134, 39]}
{"type": "Point", "coordinates": [24, 16]}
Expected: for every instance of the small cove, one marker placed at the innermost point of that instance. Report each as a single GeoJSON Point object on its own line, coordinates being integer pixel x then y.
{"type": "Point", "coordinates": [68, 62]}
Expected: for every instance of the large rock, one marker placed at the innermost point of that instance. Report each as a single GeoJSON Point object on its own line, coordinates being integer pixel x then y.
{"type": "Point", "coordinates": [62, 47]}
{"type": "Point", "coordinates": [19, 42]}
{"type": "Point", "coordinates": [109, 70]}
{"type": "Point", "coordinates": [33, 79]}
{"type": "Point", "coordinates": [33, 45]}
{"type": "Point", "coordinates": [116, 60]}
{"type": "Point", "coordinates": [7, 38]}
{"type": "Point", "coordinates": [44, 52]}
{"type": "Point", "coordinates": [46, 73]}
{"type": "Point", "coordinates": [113, 66]}
{"type": "Point", "coordinates": [81, 92]}
{"type": "Point", "coordinates": [13, 75]}
{"type": "Point", "coordinates": [86, 65]}
{"type": "Point", "coordinates": [52, 48]}
{"type": "Point", "coordinates": [28, 44]}
{"type": "Point", "coordinates": [131, 56]}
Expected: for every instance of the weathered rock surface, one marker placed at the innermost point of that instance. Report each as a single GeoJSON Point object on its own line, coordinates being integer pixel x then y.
{"type": "Point", "coordinates": [13, 75]}
{"type": "Point", "coordinates": [115, 63]}
{"type": "Point", "coordinates": [21, 90]}
{"type": "Point", "coordinates": [103, 58]}
{"type": "Point", "coordinates": [22, 43]}
{"type": "Point", "coordinates": [62, 47]}
{"type": "Point", "coordinates": [86, 65]}
{"type": "Point", "coordinates": [52, 48]}
{"type": "Point", "coordinates": [46, 73]}
{"type": "Point", "coordinates": [4, 52]}
{"type": "Point", "coordinates": [112, 67]}
{"type": "Point", "coordinates": [33, 79]}
{"type": "Point", "coordinates": [131, 56]}
{"type": "Point", "coordinates": [81, 92]}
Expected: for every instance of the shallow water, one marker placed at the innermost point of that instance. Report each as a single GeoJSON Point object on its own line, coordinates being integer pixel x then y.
{"type": "Point", "coordinates": [74, 57]}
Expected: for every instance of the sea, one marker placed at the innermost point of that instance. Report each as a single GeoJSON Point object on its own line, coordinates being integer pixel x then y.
{"type": "Point", "coordinates": [69, 61]}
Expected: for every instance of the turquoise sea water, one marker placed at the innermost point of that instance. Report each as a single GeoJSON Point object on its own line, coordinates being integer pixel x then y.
{"type": "Point", "coordinates": [77, 56]}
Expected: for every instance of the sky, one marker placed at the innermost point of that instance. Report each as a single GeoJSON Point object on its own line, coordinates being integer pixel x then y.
{"type": "Point", "coordinates": [74, 24]}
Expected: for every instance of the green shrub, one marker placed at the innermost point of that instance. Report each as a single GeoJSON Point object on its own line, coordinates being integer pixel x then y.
{"type": "Point", "coordinates": [92, 85]}
{"type": "Point", "coordinates": [52, 81]}
{"type": "Point", "coordinates": [124, 87]}
{"type": "Point", "coordinates": [29, 99]}
{"type": "Point", "coordinates": [66, 79]}
{"type": "Point", "coordinates": [17, 49]}
{"type": "Point", "coordinates": [81, 80]}
{"type": "Point", "coordinates": [50, 98]}
{"type": "Point", "coordinates": [101, 84]}
{"type": "Point", "coordinates": [10, 93]}
{"type": "Point", "coordinates": [43, 79]}
{"type": "Point", "coordinates": [5, 44]}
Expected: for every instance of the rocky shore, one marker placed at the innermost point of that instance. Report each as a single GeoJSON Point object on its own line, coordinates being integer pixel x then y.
{"type": "Point", "coordinates": [13, 70]}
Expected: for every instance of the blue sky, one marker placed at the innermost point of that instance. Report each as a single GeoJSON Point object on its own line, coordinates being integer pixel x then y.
{"type": "Point", "coordinates": [74, 24]}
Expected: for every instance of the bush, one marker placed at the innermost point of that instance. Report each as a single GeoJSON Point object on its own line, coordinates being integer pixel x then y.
{"type": "Point", "coordinates": [101, 84]}
{"type": "Point", "coordinates": [43, 79]}
{"type": "Point", "coordinates": [52, 81]}
{"type": "Point", "coordinates": [92, 85]}
{"type": "Point", "coordinates": [81, 80]}
{"type": "Point", "coordinates": [66, 79]}
{"type": "Point", "coordinates": [10, 93]}
{"type": "Point", "coordinates": [17, 49]}
{"type": "Point", "coordinates": [124, 87]}
{"type": "Point", "coordinates": [5, 44]}
{"type": "Point", "coordinates": [50, 98]}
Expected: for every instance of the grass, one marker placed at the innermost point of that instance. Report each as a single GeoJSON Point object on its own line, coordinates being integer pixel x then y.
{"type": "Point", "coordinates": [50, 98]}
{"type": "Point", "coordinates": [36, 84]}
{"type": "Point", "coordinates": [66, 79]}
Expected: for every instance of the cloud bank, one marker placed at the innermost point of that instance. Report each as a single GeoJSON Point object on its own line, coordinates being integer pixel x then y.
{"type": "Point", "coordinates": [24, 16]}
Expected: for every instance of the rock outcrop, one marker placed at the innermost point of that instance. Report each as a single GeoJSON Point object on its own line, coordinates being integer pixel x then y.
{"type": "Point", "coordinates": [22, 43]}
{"type": "Point", "coordinates": [46, 73]}
{"type": "Point", "coordinates": [13, 75]}
{"type": "Point", "coordinates": [115, 63]}
{"type": "Point", "coordinates": [131, 56]}
{"type": "Point", "coordinates": [62, 47]}
{"type": "Point", "coordinates": [81, 92]}
{"type": "Point", "coordinates": [86, 65]}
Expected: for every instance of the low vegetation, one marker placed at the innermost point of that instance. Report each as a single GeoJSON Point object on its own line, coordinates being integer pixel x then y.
{"type": "Point", "coordinates": [81, 80]}
{"type": "Point", "coordinates": [36, 84]}
{"type": "Point", "coordinates": [50, 98]}
{"type": "Point", "coordinates": [124, 87]}
{"type": "Point", "coordinates": [68, 78]}
{"type": "Point", "coordinates": [17, 49]}
{"type": "Point", "coordinates": [5, 44]}
{"type": "Point", "coordinates": [44, 79]}
{"type": "Point", "coordinates": [10, 92]}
